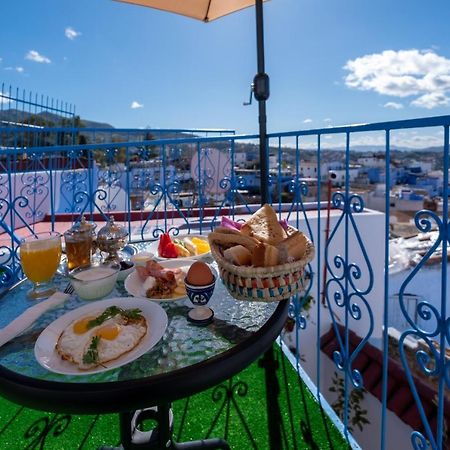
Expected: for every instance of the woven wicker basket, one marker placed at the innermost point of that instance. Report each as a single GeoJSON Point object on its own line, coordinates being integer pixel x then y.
{"type": "Point", "coordinates": [264, 284]}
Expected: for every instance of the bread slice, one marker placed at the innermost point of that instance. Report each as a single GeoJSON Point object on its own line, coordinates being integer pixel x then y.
{"type": "Point", "coordinates": [263, 225]}
{"type": "Point", "coordinates": [265, 255]}
{"type": "Point", "coordinates": [238, 255]}
{"type": "Point", "coordinates": [227, 240]}
{"type": "Point", "coordinates": [293, 248]}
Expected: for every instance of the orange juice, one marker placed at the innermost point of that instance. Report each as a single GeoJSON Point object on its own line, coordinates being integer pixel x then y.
{"type": "Point", "coordinates": [40, 259]}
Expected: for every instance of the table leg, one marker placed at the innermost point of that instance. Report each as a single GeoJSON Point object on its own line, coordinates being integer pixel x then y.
{"type": "Point", "coordinates": [202, 444]}
{"type": "Point", "coordinates": [132, 438]}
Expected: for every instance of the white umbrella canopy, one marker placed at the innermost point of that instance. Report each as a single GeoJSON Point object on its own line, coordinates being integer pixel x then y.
{"type": "Point", "coordinates": [205, 10]}
{"type": "Point", "coordinates": [208, 10]}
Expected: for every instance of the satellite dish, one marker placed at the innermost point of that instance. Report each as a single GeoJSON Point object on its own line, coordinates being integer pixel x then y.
{"type": "Point", "coordinates": [212, 169]}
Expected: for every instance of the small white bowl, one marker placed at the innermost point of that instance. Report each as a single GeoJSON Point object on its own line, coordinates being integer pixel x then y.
{"type": "Point", "coordinates": [141, 258]}
{"type": "Point", "coordinates": [125, 272]}
{"type": "Point", "coordinates": [93, 283]}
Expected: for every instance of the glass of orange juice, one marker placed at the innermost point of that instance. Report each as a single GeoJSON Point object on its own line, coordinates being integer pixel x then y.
{"type": "Point", "coordinates": [40, 254]}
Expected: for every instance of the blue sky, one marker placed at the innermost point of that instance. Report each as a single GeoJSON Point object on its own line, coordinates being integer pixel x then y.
{"type": "Point", "coordinates": [330, 62]}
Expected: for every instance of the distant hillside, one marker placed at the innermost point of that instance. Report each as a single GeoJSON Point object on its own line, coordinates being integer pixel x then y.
{"type": "Point", "coordinates": [382, 149]}
{"type": "Point", "coordinates": [93, 124]}
{"type": "Point", "coordinates": [45, 118]}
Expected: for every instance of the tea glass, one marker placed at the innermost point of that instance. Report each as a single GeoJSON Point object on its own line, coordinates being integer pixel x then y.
{"type": "Point", "coordinates": [78, 248]}
{"type": "Point", "coordinates": [40, 255]}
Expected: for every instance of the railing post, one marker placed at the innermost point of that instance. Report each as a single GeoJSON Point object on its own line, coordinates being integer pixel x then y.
{"type": "Point", "coordinates": [346, 296]}
{"type": "Point", "coordinates": [319, 268]}
{"type": "Point", "coordinates": [444, 281]}
{"type": "Point", "coordinates": [387, 205]}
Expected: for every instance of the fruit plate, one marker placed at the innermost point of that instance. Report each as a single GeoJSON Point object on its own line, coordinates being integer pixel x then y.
{"type": "Point", "coordinates": [45, 346]}
{"type": "Point", "coordinates": [153, 248]}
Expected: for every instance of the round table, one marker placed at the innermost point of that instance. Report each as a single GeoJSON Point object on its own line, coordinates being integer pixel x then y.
{"type": "Point", "coordinates": [187, 359]}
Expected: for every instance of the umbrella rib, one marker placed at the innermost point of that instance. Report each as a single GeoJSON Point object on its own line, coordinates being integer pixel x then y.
{"type": "Point", "coordinates": [207, 11]}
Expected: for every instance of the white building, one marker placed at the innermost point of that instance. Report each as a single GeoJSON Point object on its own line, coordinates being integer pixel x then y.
{"type": "Point", "coordinates": [338, 176]}
{"type": "Point", "coordinates": [372, 161]}
{"type": "Point", "coordinates": [308, 169]}
{"type": "Point", "coordinates": [403, 199]}
{"type": "Point", "coordinates": [426, 166]}
{"type": "Point", "coordinates": [240, 159]}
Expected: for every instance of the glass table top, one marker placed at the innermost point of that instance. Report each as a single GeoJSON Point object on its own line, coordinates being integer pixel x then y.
{"type": "Point", "coordinates": [182, 345]}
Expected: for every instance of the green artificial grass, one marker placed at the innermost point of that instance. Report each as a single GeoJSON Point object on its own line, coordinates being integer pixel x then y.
{"type": "Point", "coordinates": [235, 410]}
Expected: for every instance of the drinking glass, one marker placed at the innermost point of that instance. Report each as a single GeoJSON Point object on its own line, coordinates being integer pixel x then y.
{"type": "Point", "coordinates": [78, 248]}
{"type": "Point", "coordinates": [40, 254]}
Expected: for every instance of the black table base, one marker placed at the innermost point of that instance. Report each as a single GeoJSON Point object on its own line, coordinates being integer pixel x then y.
{"type": "Point", "coordinates": [160, 437]}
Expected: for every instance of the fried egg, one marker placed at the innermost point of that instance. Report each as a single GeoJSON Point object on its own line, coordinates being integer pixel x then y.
{"type": "Point", "coordinates": [113, 338]}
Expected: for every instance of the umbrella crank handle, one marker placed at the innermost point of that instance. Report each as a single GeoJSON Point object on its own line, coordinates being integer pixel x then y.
{"type": "Point", "coordinates": [260, 88]}
{"type": "Point", "coordinates": [252, 89]}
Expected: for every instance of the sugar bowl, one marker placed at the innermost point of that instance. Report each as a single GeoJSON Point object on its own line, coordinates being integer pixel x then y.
{"type": "Point", "coordinates": [111, 239]}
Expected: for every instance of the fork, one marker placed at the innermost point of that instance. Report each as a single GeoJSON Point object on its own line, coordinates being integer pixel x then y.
{"type": "Point", "coordinates": [69, 289]}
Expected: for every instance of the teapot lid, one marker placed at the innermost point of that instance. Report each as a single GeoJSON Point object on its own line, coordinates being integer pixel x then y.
{"type": "Point", "coordinates": [112, 230]}
{"type": "Point", "coordinates": [82, 226]}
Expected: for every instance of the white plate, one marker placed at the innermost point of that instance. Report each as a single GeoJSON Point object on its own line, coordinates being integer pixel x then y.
{"type": "Point", "coordinates": [153, 247]}
{"type": "Point", "coordinates": [135, 287]}
{"type": "Point", "coordinates": [47, 356]}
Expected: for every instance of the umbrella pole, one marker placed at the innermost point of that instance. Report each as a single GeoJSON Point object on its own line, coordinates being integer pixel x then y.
{"type": "Point", "coordinates": [262, 92]}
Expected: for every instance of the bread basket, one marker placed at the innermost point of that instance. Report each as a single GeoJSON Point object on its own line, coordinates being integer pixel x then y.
{"type": "Point", "coordinates": [264, 284]}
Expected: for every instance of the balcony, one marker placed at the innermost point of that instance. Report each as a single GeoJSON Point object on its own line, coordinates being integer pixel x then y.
{"type": "Point", "coordinates": [367, 336]}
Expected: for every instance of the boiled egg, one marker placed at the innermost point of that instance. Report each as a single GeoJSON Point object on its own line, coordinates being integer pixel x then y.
{"type": "Point", "coordinates": [199, 274]}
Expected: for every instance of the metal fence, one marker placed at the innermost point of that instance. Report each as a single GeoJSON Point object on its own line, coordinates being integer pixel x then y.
{"type": "Point", "coordinates": [184, 184]}
{"type": "Point", "coordinates": [32, 120]}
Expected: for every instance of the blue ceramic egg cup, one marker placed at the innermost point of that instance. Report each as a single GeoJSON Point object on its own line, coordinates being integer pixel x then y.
{"type": "Point", "coordinates": [200, 295]}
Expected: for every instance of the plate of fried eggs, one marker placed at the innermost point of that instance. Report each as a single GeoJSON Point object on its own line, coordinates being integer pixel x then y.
{"type": "Point", "coordinates": [100, 336]}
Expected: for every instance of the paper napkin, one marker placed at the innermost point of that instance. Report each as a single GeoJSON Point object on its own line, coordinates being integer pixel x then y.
{"type": "Point", "coordinates": [27, 318]}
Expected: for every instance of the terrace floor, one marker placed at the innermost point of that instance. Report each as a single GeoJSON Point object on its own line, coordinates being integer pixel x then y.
{"type": "Point", "coordinates": [239, 415]}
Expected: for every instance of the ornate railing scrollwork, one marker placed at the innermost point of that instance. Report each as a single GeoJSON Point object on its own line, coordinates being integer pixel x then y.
{"type": "Point", "coordinates": [432, 331]}
{"type": "Point", "coordinates": [227, 394]}
{"type": "Point", "coordinates": [348, 284]}
{"type": "Point", "coordinates": [44, 427]}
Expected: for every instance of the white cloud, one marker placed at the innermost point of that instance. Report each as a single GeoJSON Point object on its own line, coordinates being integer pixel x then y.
{"type": "Point", "coordinates": [403, 73]}
{"type": "Point", "coordinates": [71, 34]}
{"type": "Point", "coordinates": [17, 69]}
{"type": "Point", "coordinates": [33, 55]}
{"type": "Point", "coordinates": [136, 105]}
{"type": "Point", "coordinates": [431, 100]}
{"type": "Point", "coordinates": [4, 100]}
{"type": "Point", "coordinates": [327, 120]}
{"type": "Point", "coordinates": [393, 105]}
{"type": "Point", "coordinates": [307, 121]}
{"type": "Point", "coordinates": [403, 141]}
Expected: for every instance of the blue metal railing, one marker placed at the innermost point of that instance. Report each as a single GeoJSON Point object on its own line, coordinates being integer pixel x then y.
{"type": "Point", "coordinates": [13, 134]}
{"type": "Point", "coordinates": [185, 184]}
